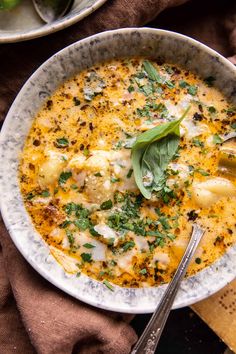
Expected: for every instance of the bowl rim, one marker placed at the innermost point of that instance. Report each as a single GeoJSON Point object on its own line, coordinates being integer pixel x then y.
{"type": "Point", "coordinates": [217, 286]}
{"type": "Point", "coordinates": [46, 29]}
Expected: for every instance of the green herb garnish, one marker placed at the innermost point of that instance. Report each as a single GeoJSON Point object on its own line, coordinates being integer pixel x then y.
{"type": "Point", "coordinates": [152, 72]}
{"type": "Point", "coordinates": [108, 285]}
{"type": "Point", "coordinates": [198, 143]}
{"type": "Point", "coordinates": [64, 176]}
{"type": "Point", "coordinates": [143, 271]}
{"type": "Point", "coordinates": [86, 257]}
{"type": "Point", "coordinates": [151, 154]}
{"type": "Point", "coordinates": [129, 174]}
{"type": "Point", "coordinates": [114, 179]}
{"type": "Point", "coordinates": [192, 90]}
{"type": "Point", "coordinates": [106, 205]}
{"type": "Point", "coordinates": [62, 142]}
{"type": "Point", "coordinates": [88, 245]}
{"type": "Point", "coordinates": [211, 109]}
{"type": "Point", "coordinates": [82, 224]}
{"type": "Point", "coordinates": [202, 172]}
{"type": "Point", "coordinates": [70, 237]}
{"type": "Point", "coordinates": [128, 245]}
{"type": "Point", "coordinates": [45, 193]}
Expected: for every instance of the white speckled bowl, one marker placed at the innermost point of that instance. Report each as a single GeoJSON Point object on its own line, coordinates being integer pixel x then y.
{"type": "Point", "coordinates": [23, 23]}
{"type": "Point", "coordinates": [171, 47]}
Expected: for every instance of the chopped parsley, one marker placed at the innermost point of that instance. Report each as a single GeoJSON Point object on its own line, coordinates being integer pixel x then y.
{"type": "Point", "coordinates": [64, 176]}
{"type": "Point", "coordinates": [97, 174]}
{"type": "Point", "coordinates": [88, 245]}
{"type": "Point", "coordinates": [86, 257]}
{"type": "Point", "coordinates": [114, 180]}
{"type": "Point", "coordinates": [192, 90]}
{"type": "Point", "coordinates": [106, 205]}
{"type": "Point", "coordinates": [211, 109]}
{"type": "Point", "coordinates": [45, 193]}
{"type": "Point", "coordinates": [62, 142]}
{"type": "Point", "coordinates": [143, 271]}
{"type": "Point", "coordinates": [82, 224]}
{"type": "Point", "coordinates": [202, 172]}
{"type": "Point", "coordinates": [129, 174]}
{"type": "Point", "coordinates": [128, 245]}
{"type": "Point", "coordinates": [183, 84]}
{"type": "Point", "coordinates": [108, 285]}
{"type": "Point", "coordinates": [70, 237]}
{"type": "Point", "coordinates": [131, 88]}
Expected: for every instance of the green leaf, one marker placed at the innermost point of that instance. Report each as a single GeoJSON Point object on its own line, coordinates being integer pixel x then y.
{"type": "Point", "coordinates": [152, 72]}
{"type": "Point", "coordinates": [88, 245]}
{"type": "Point", "coordinates": [217, 139]}
{"type": "Point", "coordinates": [70, 237]}
{"type": "Point", "coordinates": [131, 88]}
{"type": "Point", "coordinates": [211, 109]}
{"type": "Point", "coordinates": [151, 153]}
{"type": "Point", "coordinates": [106, 205]}
{"type": "Point", "coordinates": [64, 176]}
{"type": "Point", "coordinates": [30, 196]}
{"type": "Point", "coordinates": [128, 245]}
{"type": "Point", "coordinates": [45, 193]}
{"type": "Point", "coordinates": [108, 285]}
{"type": "Point", "coordinates": [86, 257]}
{"type": "Point", "coordinates": [233, 125]}
{"type": "Point", "coordinates": [192, 90]}
{"type": "Point", "coordinates": [183, 84]}
{"type": "Point", "coordinates": [129, 174]}
{"type": "Point", "coordinates": [202, 172]}
{"type": "Point", "coordinates": [62, 142]}
{"type": "Point", "coordinates": [114, 179]}
{"type": "Point", "coordinates": [82, 224]}
{"type": "Point", "coordinates": [143, 271]}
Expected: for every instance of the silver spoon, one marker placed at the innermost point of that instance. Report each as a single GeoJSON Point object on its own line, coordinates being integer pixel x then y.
{"type": "Point", "coordinates": [51, 10]}
{"type": "Point", "coordinates": [148, 341]}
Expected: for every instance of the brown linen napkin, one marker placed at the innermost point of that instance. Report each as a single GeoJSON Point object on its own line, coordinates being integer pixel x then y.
{"type": "Point", "coordinates": [31, 309]}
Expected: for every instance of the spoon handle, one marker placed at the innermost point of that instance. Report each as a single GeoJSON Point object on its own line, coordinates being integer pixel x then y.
{"type": "Point", "coordinates": [147, 343]}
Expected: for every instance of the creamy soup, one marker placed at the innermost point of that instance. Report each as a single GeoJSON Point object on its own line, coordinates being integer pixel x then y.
{"type": "Point", "coordinates": [119, 163]}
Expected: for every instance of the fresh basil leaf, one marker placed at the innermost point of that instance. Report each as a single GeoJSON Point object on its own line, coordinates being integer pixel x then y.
{"type": "Point", "coordinates": [152, 152]}
{"type": "Point", "coordinates": [152, 72]}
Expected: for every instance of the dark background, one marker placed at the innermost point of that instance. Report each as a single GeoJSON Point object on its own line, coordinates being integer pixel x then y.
{"type": "Point", "coordinates": [184, 333]}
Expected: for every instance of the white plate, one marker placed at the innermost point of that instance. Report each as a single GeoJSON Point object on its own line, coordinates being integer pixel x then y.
{"type": "Point", "coordinates": [168, 46]}
{"type": "Point", "coordinates": [23, 23]}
